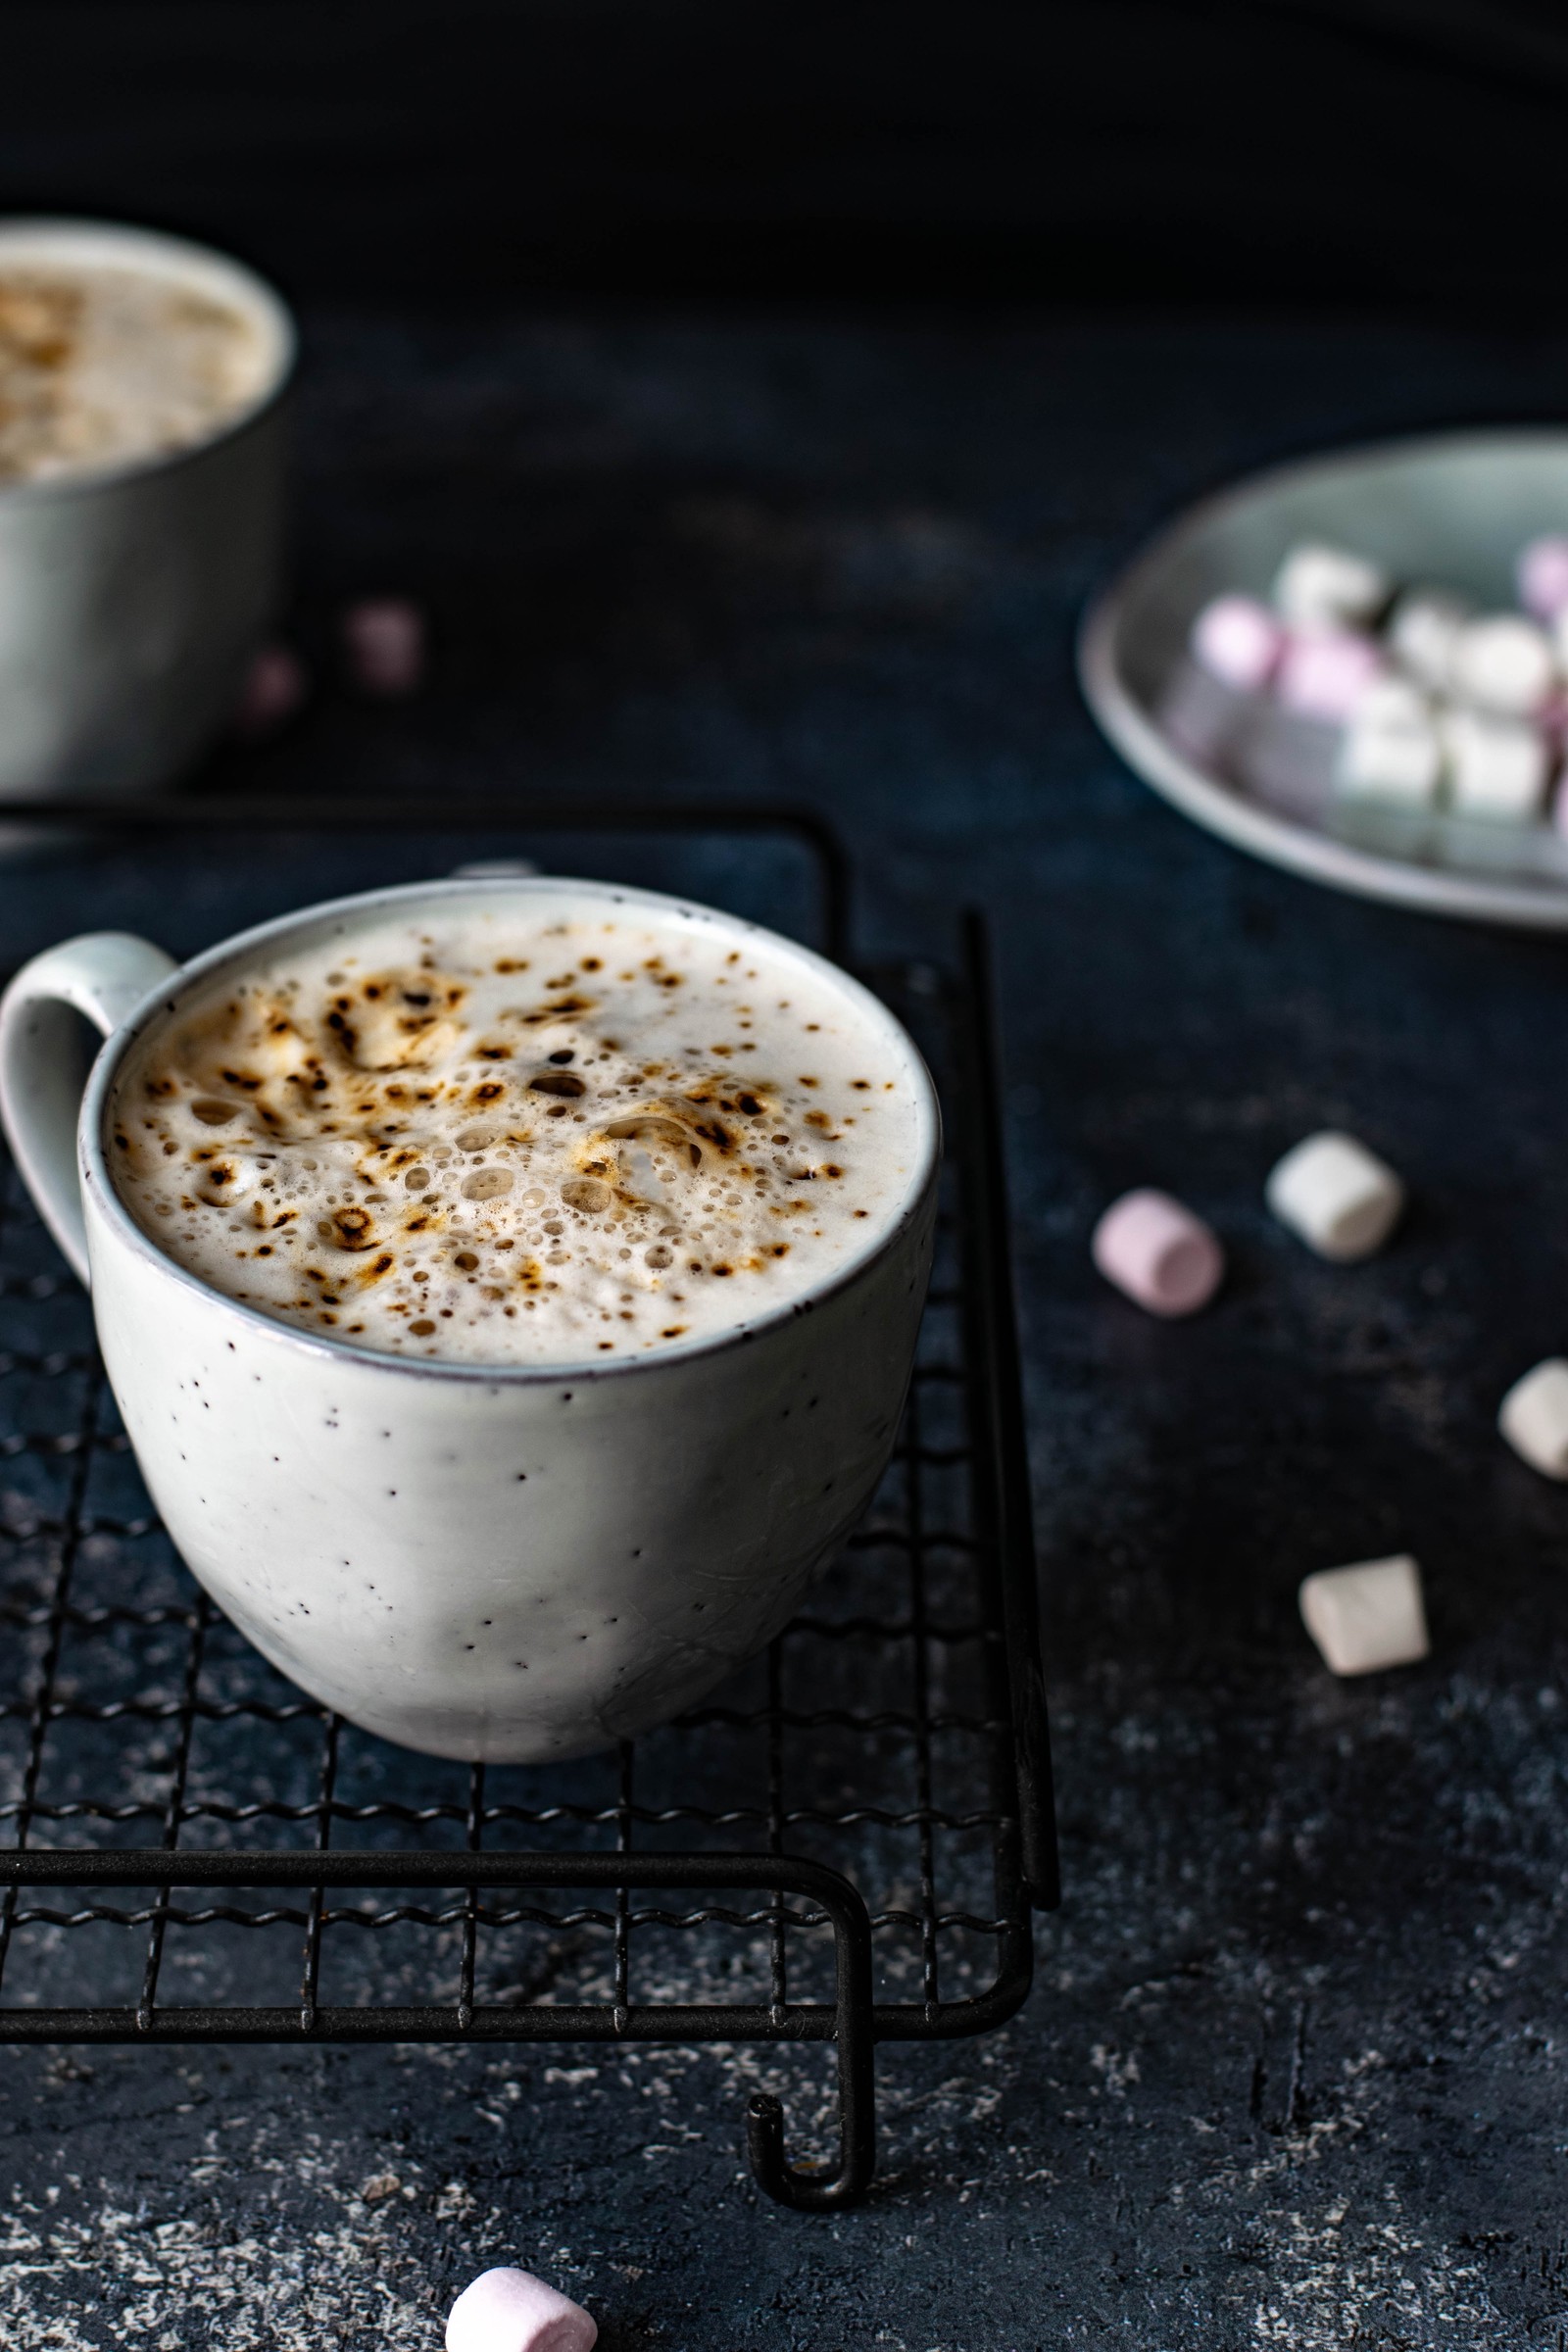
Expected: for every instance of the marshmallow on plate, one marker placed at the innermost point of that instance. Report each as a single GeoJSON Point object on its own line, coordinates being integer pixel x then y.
{"type": "Point", "coordinates": [1368, 1616]}
{"type": "Point", "coordinates": [1319, 587]}
{"type": "Point", "coordinates": [1391, 750]}
{"type": "Point", "coordinates": [1422, 631]}
{"type": "Point", "coordinates": [1335, 1195]}
{"type": "Point", "coordinates": [1325, 675]}
{"type": "Point", "coordinates": [1155, 1250]}
{"type": "Point", "coordinates": [1534, 1417]}
{"type": "Point", "coordinates": [1498, 767]}
{"type": "Point", "coordinates": [1542, 574]}
{"type": "Point", "coordinates": [513, 2311]}
{"type": "Point", "coordinates": [384, 637]}
{"type": "Point", "coordinates": [1503, 663]}
{"type": "Point", "coordinates": [1237, 639]}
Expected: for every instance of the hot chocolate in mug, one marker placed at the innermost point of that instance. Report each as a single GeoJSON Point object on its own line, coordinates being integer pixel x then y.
{"type": "Point", "coordinates": [509, 1560]}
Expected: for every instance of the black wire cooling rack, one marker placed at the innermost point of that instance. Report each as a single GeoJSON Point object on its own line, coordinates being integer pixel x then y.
{"type": "Point", "coordinates": [843, 1846]}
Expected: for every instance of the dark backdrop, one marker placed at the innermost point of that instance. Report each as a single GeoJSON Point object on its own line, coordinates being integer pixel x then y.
{"type": "Point", "coordinates": [1339, 152]}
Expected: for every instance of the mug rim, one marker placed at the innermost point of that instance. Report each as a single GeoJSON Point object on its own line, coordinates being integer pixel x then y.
{"type": "Point", "coordinates": [98, 1184]}
{"type": "Point", "coordinates": [174, 257]}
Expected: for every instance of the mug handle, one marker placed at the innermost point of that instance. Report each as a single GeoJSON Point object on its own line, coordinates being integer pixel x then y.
{"type": "Point", "coordinates": [103, 977]}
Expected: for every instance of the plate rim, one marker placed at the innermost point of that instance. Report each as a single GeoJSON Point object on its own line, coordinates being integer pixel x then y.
{"type": "Point", "coordinates": [1263, 833]}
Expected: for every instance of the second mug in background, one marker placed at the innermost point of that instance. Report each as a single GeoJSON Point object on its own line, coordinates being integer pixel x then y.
{"type": "Point", "coordinates": [135, 586]}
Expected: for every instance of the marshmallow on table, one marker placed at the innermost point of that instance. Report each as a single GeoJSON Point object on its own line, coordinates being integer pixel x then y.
{"type": "Point", "coordinates": [1324, 676]}
{"type": "Point", "coordinates": [1498, 767]}
{"type": "Point", "coordinates": [1503, 663]}
{"type": "Point", "coordinates": [1335, 1195]}
{"type": "Point", "coordinates": [1366, 1617]}
{"type": "Point", "coordinates": [1534, 1417]}
{"type": "Point", "coordinates": [1422, 632]}
{"type": "Point", "coordinates": [511, 2310]}
{"type": "Point", "coordinates": [1542, 574]}
{"type": "Point", "coordinates": [1391, 751]}
{"type": "Point", "coordinates": [384, 639]}
{"type": "Point", "coordinates": [1237, 639]}
{"type": "Point", "coordinates": [1159, 1253]}
{"type": "Point", "coordinates": [1320, 587]}
{"type": "Point", "coordinates": [276, 685]}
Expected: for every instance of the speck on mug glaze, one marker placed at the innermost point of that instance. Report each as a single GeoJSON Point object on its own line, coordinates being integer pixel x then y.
{"type": "Point", "coordinates": [514, 1563]}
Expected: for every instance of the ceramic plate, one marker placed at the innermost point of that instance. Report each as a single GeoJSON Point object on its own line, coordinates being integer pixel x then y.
{"type": "Point", "coordinates": [1451, 511]}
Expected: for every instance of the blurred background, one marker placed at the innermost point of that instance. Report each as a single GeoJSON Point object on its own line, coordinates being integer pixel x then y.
{"type": "Point", "coordinates": [1254, 152]}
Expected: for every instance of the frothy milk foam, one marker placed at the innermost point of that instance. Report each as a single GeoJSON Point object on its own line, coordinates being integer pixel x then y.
{"type": "Point", "coordinates": [517, 1129]}
{"type": "Point", "coordinates": [103, 364]}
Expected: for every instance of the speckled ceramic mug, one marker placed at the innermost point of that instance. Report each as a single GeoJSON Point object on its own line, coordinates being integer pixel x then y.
{"type": "Point", "coordinates": [132, 595]}
{"type": "Point", "coordinates": [500, 1562]}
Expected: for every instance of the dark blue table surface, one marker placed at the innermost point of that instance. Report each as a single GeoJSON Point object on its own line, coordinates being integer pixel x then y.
{"type": "Point", "coordinates": [1293, 2069]}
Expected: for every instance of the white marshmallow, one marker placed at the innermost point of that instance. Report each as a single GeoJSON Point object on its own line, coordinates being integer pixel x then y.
{"type": "Point", "coordinates": [1399, 763]}
{"type": "Point", "coordinates": [1498, 767]}
{"type": "Point", "coordinates": [511, 2310]}
{"type": "Point", "coordinates": [1320, 587]}
{"type": "Point", "coordinates": [1534, 1417]}
{"type": "Point", "coordinates": [1390, 701]}
{"type": "Point", "coordinates": [1502, 662]}
{"type": "Point", "coordinates": [1423, 629]}
{"type": "Point", "coordinates": [1366, 1617]}
{"type": "Point", "coordinates": [1335, 1195]}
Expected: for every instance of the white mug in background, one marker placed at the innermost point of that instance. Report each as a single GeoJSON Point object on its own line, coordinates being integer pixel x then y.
{"type": "Point", "coordinates": [506, 1562]}
{"type": "Point", "coordinates": [134, 595]}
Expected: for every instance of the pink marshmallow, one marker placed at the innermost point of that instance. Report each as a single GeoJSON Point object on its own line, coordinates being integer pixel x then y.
{"type": "Point", "coordinates": [513, 2311]}
{"type": "Point", "coordinates": [1542, 574]}
{"type": "Point", "coordinates": [1324, 676]}
{"type": "Point", "coordinates": [276, 685]}
{"type": "Point", "coordinates": [1237, 640]}
{"type": "Point", "coordinates": [1159, 1253]}
{"type": "Point", "coordinates": [384, 637]}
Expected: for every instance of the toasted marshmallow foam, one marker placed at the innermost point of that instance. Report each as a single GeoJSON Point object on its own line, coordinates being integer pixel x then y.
{"type": "Point", "coordinates": [481, 1132]}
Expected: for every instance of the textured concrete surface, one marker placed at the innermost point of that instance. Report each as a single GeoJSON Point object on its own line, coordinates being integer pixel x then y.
{"type": "Point", "coordinates": [1293, 2070]}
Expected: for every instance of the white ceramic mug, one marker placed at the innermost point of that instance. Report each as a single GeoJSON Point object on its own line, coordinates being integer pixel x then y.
{"type": "Point", "coordinates": [132, 595]}
{"type": "Point", "coordinates": [506, 1562]}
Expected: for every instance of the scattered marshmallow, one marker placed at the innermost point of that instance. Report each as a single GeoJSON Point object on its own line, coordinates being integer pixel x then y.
{"type": "Point", "coordinates": [511, 2310]}
{"type": "Point", "coordinates": [1498, 767]}
{"type": "Point", "coordinates": [1541, 575]}
{"type": "Point", "coordinates": [384, 637]}
{"type": "Point", "coordinates": [1423, 629]}
{"type": "Point", "coordinates": [275, 686]}
{"type": "Point", "coordinates": [1324, 676]}
{"type": "Point", "coordinates": [1335, 1195]}
{"type": "Point", "coordinates": [1534, 1417]}
{"type": "Point", "coordinates": [1321, 587]}
{"type": "Point", "coordinates": [1159, 1253]}
{"type": "Point", "coordinates": [1503, 663]}
{"type": "Point", "coordinates": [1238, 639]}
{"type": "Point", "coordinates": [1367, 1617]}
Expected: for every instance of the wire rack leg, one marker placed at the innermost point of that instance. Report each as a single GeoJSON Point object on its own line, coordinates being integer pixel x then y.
{"type": "Point", "coordinates": [820, 2192]}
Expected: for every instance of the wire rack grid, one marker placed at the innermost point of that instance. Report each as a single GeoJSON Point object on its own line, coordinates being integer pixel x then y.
{"type": "Point", "coordinates": [843, 1846]}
